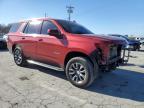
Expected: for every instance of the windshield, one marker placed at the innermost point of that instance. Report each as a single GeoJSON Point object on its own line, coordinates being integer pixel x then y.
{"type": "Point", "coordinates": [72, 27]}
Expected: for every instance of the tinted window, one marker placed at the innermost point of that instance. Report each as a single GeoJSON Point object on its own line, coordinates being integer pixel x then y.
{"type": "Point", "coordinates": [15, 27]}
{"type": "Point", "coordinates": [73, 27]}
{"type": "Point", "coordinates": [47, 25]}
{"type": "Point", "coordinates": [33, 27]}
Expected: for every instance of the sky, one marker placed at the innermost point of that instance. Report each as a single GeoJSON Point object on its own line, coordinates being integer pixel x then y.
{"type": "Point", "coordinates": [100, 16]}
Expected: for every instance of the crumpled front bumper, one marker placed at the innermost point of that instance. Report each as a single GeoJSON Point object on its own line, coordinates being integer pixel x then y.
{"type": "Point", "coordinates": [115, 62]}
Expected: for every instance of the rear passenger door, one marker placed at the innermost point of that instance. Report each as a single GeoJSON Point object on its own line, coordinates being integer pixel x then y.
{"type": "Point", "coordinates": [29, 40]}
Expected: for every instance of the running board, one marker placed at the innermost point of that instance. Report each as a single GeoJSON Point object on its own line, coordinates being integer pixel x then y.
{"type": "Point", "coordinates": [45, 65]}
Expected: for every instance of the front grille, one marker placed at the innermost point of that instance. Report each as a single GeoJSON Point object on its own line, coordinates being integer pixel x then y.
{"type": "Point", "coordinates": [115, 51]}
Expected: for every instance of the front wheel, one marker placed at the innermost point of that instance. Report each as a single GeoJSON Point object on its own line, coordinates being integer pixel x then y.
{"type": "Point", "coordinates": [19, 58]}
{"type": "Point", "coordinates": [80, 72]}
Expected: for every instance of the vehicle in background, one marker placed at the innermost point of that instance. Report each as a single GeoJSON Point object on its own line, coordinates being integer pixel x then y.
{"type": "Point", "coordinates": [139, 38]}
{"type": "Point", "coordinates": [64, 45]}
{"type": "Point", "coordinates": [131, 44]}
{"type": "Point", "coordinates": [3, 41]}
{"type": "Point", "coordinates": [142, 42]}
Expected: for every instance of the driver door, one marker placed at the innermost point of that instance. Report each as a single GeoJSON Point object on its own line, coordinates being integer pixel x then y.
{"type": "Point", "coordinates": [48, 47]}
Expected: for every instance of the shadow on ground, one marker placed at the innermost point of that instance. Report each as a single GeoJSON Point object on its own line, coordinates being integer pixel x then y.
{"type": "Point", "coordinates": [141, 50]}
{"type": "Point", "coordinates": [130, 64]}
{"type": "Point", "coordinates": [120, 83]}
{"type": "Point", "coordinates": [142, 66]}
{"type": "Point", "coordinates": [59, 74]}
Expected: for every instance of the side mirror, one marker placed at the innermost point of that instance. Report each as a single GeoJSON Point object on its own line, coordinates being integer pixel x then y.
{"type": "Point", "coordinates": [54, 32]}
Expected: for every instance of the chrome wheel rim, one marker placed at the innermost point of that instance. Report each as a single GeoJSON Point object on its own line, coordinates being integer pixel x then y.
{"type": "Point", "coordinates": [18, 57]}
{"type": "Point", "coordinates": [77, 72]}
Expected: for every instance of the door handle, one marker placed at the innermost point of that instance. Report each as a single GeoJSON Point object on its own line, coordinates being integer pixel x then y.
{"type": "Point", "coordinates": [40, 39]}
{"type": "Point", "coordinates": [23, 37]}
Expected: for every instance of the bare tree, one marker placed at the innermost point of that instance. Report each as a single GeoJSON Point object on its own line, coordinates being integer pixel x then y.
{"type": "Point", "coordinates": [4, 29]}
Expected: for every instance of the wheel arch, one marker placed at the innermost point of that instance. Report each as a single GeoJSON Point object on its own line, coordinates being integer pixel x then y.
{"type": "Point", "coordinates": [76, 54]}
{"type": "Point", "coordinates": [94, 57]}
{"type": "Point", "coordinates": [13, 47]}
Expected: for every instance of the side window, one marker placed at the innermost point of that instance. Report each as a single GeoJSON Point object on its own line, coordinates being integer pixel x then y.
{"type": "Point", "coordinates": [47, 25]}
{"type": "Point", "coordinates": [33, 27]}
{"type": "Point", "coordinates": [14, 27]}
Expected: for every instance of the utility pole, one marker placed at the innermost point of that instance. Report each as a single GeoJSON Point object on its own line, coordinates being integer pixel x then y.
{"type": "Point", "coordinates": [69, 11]}
{"type": "Point", "coordinates": [45, 14]}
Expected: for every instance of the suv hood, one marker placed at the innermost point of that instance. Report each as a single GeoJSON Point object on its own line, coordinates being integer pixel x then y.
{"type": "Point", "coordinates": [111, 39]}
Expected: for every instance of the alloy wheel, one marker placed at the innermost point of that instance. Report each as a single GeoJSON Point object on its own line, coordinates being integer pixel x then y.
{"type": "Point", "coordinates": [77, 72]}
{"type": "Point", "coordinates": [18, 56]}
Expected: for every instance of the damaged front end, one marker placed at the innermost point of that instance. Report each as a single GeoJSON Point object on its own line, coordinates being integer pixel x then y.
{"type": "Point", "coordinates": [116, 55]}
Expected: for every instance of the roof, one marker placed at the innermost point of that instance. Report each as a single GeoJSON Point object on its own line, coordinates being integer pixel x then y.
{"type": "Point", "coordinates": [45, 18]}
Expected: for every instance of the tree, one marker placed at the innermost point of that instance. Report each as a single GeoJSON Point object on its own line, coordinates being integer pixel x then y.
{"type": "Point", "coordinates": [4, 29]}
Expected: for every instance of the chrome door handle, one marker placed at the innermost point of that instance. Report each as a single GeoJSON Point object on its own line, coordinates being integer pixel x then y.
{"type": "Point", "coordinates": [40, 39]}
{"type": "Point", "coordinates": [23, 37]}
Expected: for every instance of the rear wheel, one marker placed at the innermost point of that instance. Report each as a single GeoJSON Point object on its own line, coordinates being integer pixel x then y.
{"type": "Point", "coordinates": [80, 72]}
{"type": "Point", "coordinates": [19, 58]}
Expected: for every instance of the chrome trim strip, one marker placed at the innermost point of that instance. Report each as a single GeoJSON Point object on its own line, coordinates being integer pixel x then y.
{"type": "Point", "coordinates": [45, 65]}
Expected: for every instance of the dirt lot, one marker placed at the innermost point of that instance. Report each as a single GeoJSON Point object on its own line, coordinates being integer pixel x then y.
{"type": "Point", "coordinates": [38, 87]}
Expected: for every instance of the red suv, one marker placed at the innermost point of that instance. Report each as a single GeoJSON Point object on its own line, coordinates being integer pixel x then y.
{"type": "Point", "coordinates": [64, 45]}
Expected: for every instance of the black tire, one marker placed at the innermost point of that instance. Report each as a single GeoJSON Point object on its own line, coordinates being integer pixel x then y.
{"type": "Point", "coordinates": [19, 58]}
{"type": "Point", "coordinates": [80, 72]}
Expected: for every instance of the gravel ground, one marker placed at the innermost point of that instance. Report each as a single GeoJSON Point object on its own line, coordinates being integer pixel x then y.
{"type": "Point", "coordinates": [38, 87]}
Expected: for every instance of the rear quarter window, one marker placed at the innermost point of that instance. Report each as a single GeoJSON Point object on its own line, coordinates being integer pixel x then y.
{"type": "Point", "coordinates": [14, 27]}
